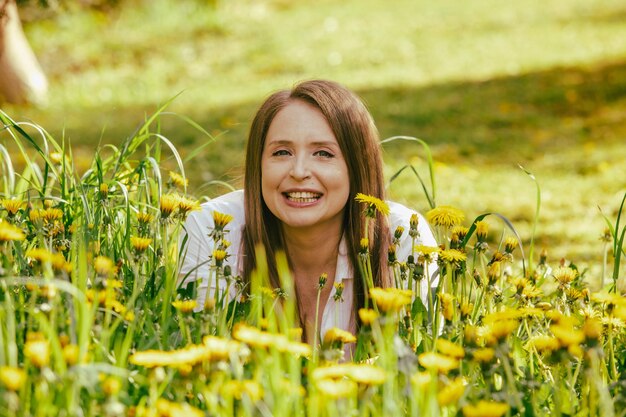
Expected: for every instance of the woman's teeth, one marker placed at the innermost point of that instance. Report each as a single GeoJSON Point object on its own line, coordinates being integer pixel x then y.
{"type": "Point", "coordinates": [303, 197]}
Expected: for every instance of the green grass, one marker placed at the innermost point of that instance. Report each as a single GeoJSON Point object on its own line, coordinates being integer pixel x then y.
{"type": "Point", "coordinates": [489, 86]}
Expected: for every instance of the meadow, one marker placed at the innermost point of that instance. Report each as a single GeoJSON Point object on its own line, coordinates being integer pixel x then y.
{"type": "Point", "coordinates": [521, 108]}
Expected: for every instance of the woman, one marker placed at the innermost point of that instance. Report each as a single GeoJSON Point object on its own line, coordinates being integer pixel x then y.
{"type": "Point", "coordinates": [309, 152]}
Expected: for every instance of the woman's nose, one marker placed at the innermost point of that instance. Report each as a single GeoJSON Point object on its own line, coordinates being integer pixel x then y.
{"type": "Point", "coordinates": [300, 168]}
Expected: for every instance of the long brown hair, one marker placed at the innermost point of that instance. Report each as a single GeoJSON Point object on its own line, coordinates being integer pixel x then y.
{"type": "Point", "coordinates": [359, 142]}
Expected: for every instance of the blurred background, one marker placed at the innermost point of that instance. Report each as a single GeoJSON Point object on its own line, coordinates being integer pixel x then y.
{"type": "Point", "coordinates": [490, 85]}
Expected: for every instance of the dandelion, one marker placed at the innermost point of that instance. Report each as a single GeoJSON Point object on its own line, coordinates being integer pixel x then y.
{"type": "Point", "coordinates": [460, 232]}
{"type": "Point", "coordinates": [373, 205]}
{"type": "Point", "coordinates": [389, 300]}
{"type": "Point", "coordinates": [413, 222]}
{"type": "Point", "coordinates": [364, 245]}
{"type": "Point", "coordinates": [445, 347]}
{"type": "Point", "coordinates": [189, 355]}
{"type": "Point", "coordinates": [421, 380]}
{"type": "Point", "coordinates": [335, 389]}
{"type": "Point", "coordinates": [544, 343]}
{"type": "Point", "coordinates": [166, 408]}
{"type": "Point", "coordinates": [338, 297]}
{"type": "Point", "coordinates": [365, 374]}
{"type": "Point", "coordinates": [140, 244]}
{"type": "Point", "coordinates": [485, 409]}
{"type": "Point", "coordinates": [321, 282]}
{"type": "Point", "coordinates": [397, 234]}
{"type": "Point", "coordinates": [56, 157]}
{"type": "Point", "coordinates": [104, 266]}
{"type": "Point", "coordinates": [452, 256]}
{"type": "Point", "coordinates": [168, 204]}
{"type": "Point", "coordinates": [104, 190]}
{"type": "Point", "coordinates": [111, 386]}
{"type": "Point", "coordinates": [446, 216]}
{"type": "Point", "coordinates": [186, 206]}
{"type": "Point", "coordinates": [451, 393]}
{"type": "Point", "coordinates": [564, 275]}
{"type": "Point", "coordinates": [178, 180]}
{"type": "Point", "coordinates": [39, 255]}
{"type": "Point", "coordinates": [144, 218]}
{"type": "Point", "coordinates": [219, 255]}
{"type": "Point", "coordinates": [220, 220]}
{"type": "Point", "coordinates": [70, 354]}
{"type": "Point", "coordinates": [220, 348]}
{"type": "Point", "coordinates": [447, 305]}
{"type": "Point", "coordinates": [12, 378]}
{"type": "Point", "coordinates": [12, 206]}
{"type": "Point", "coordinates": [37, 352]}
{"type": "Point", "coordinates": [510, 243]}
{"type": "Point", "coordinates": [483, 355]}
{"type": "Point", "coordinates": [482, 230]}
{"type": "Point", "coordinates": [239, 389]}
{"type": "Point", "coordinates": [336, 335]}
{"type": "Point", "coordinates": [51, 214]}
{"type": "Point", "coordinates": [367, 316]}
{"type": "Point", "coordinates": [437, 362]}
{"type": "Point", "coordinates": [9, 232]}
{"type": "Point", "coordinates": [185, 306]}
{"type": "Point", "coordinates": [427, 252]}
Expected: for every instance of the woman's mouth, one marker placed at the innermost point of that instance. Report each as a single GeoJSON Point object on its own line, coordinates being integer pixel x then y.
{"type": "Point", "coordinates": [302, 196]}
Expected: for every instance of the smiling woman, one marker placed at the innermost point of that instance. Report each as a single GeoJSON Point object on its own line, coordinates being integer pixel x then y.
{"type": "Point", "coordinates": [310, 151]}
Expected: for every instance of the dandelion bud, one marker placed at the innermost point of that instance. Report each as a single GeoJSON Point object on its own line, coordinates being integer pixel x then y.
{"type": "Point", "coordinates": [410, 260]}
{"type": "Point", "coordinates": [447, 306]}
{"type": "Point", "coordinates": [365, 243]}
{"type": "Point", "coordinates": [413, 225]}
{"type": "Point", "coordinates": [510, 244]}
{"type": "Point", "coordinates": [338, 291]}
{"type": "Point", "coordinates": [418, 272]}
{"type": "Point", "coordinates": [606, 235]}
{"type": "Point", "coordinates": [219, 256]}
{"type": "Point", "coordinates": [493, 274]}
{"type": "Point", "coordinates": [104, 191]}
{"type": "Point", "coordinates": [391, 254]}
{"type": "Point", "coordinates": [543, 257]}
{"type": "Point", "coordinates": [322, 280]}
{"type": "Point", "coordinates": [398, 233]}
{"type": "Point", "coordinates": [482, 230]}
{"type": "Point", "coordinates": [227, 270]}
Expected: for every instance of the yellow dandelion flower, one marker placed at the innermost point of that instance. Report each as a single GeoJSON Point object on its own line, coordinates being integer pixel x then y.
{"type": "Point", "coordinates": [104, 266]}
{"type": "Point", "coordinates": [500, 330]}
{"type": "Point", "coordinates": [610, 299]}
{"type": "Point", "coordinates": [185, 306]}
{"type": "Point", "coordinates": [451, 393]}
{"type": "Point", "coordinates": [104, 190]}
{"type": "Point", "coordinates": [186, 205]}
{"type": "Point", "coordinates": [567, 335]}
{"type": "Point", "coordinates": [111, 386]}
{"type": "Point", "coordinates": [178, 180]}
{"type": "Point", "coordinates": [437, 362]}
{"type": "Point", "coordinates": [447, 305]}
{"type": "Point", "coordinates": [510, 243]}
{"type": "Point", "coordinates": [446, 216]}
{"type": "Point", "coordinates": [389, 300]}
{"type": "Point", "coordinates": [252, 336]}
{"type": "Point", "coordinates": [482, 230]}
{"type": "Point", "coordinates": [564, 275]}
{"type": "Point", "coordinates": [168, 204]}
{"type": "Point", "coordinates": [367, 316]}
{"type": "Point", "coordinates": [460, 232]}
{"type": "Point", "coordinates": [39, 254]}
{"type": "Point", "coordinates": [140, 244]}
{"type": "Point", "coordinates": [37, 352]}
{"type": "Point", "coordinates": [220, 220]}
{"type": "Point", "coordinates": [220, 348]}
{"type": "Point", "coordinates": [166, 408]}
{"type": "Point", "coordinates": [446, 347]}
{"type": "Point", "coordinates": [9, 232]}
{"type": "Point", "coordinates": [483, 355]}
{"type": "Point", "coordinates": [144, 218]}
{"type": "Point", "coordinates": [364, 244]}
{"type": "Point", "coordinates": [12, 206]}
{"type": "Point", "coordinates": [189, 355]}
{"type": "Point", "coordinates": [426, 250]}
{"type": "Point", "coordinates": [337, 335]}
{"type": "Point", "coordinates": [335, 389]}
{"type": "Point", "coordinates": [466, 309]}
{"type": "Point", "coordinates": [56, 157]}
{"type": "Point", "coordinates": [544, 343]}
{"type": "Point", "coordinates": [363, 373]}
{"type": "Point", "coordinates": [592, 329]}
{"type": "Point", "coordinates": [51, 214]}
{"type": "Point", "coordinates": [452, 256]}
{"type": "Point", "coordinates": [485, 409]}
{"type": "Point", "coordinates": [70, 354]}
{"type": "Point", "coordinates": [12, 378]}
{"type": "Point", "coordinates": [373, 204]}
{"type": "Point", "coordinates": [239, 389]}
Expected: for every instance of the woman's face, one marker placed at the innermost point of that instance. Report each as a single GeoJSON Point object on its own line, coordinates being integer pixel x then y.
{"type": "Point", "coordinates": [304, 177]}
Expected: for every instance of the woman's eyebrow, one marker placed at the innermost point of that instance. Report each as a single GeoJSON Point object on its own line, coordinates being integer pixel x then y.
{"type": "Point", "coordinates": [315, 143]}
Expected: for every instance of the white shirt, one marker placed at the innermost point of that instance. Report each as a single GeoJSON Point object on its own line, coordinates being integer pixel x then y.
{"type": "Point", "coordinates": [200, 246]}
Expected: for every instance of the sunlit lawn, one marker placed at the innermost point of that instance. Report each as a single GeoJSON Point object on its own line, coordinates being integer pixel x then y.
{"type": "Point", "coordinates": [490, 86]}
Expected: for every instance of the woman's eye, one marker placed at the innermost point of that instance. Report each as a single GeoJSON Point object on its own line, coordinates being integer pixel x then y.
{"type": "Point", "coordinates": [324, 154]}
{"type": "Point", "coordinates": [280, 152]}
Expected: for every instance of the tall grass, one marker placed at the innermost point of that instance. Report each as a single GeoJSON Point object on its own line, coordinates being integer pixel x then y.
{"type": "Point", "coordinates": [93, 320]}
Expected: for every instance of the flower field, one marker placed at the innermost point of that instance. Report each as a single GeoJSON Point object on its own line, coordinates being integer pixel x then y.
{"type": "Point", "coordinates": [93, 321]}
